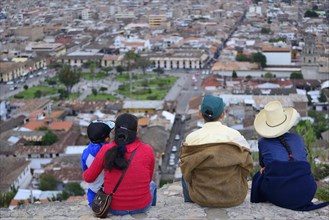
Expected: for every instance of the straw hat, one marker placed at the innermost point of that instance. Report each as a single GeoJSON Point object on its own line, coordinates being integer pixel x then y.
{"type": "Point", "coordinates": [274, 120]}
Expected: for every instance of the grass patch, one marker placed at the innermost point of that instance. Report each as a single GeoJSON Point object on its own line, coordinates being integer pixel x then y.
{"type": "Point", "coordinates": [97, 76]}
{"type": "Point", "coordinates": [37, 92]}
{"type": "Point", "coordinates": [147, 89]}
{"type": "Point", "coordinates": [125, 76]}
{"type": "Point", "coordinates": [101, 97]}
{"type": "Point", "coordinates": [73, 96]}
{"type": "Point", "coordinates": [322, 193]}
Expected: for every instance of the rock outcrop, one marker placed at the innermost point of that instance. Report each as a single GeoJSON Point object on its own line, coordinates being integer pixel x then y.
{"type": "Point", "coordinates": [170, 205]}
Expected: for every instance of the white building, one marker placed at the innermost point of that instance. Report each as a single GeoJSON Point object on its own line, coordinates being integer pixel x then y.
{"type": "Point", "coordinates": [15, 172]}
{"type": "Point", "coordinates": [277, 54]}
{"type": "Point", "coordinates": [85, 14]}
{"type": "Point", "coordinates": [133, 43]}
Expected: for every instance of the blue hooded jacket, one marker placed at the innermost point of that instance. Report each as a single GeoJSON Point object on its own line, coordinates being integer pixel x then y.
{"type": "Point", "coordinates": [87, 158]}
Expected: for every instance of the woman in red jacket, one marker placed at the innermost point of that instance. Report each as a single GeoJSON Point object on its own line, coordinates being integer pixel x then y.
{"type": "Point", "coordinates": [137, 192]}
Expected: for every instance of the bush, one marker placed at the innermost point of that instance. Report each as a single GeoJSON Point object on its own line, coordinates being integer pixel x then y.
{"type": "Point", "coordinates": [17, 96]}
{"type": "Point", "coordinates": [102, 89]}
{"type": "Point", "coordinates": [323, 193]}
{"type": "Point", "coordinates": [321, 171]}
{"type": "Point", "coordinates": [63, 94]}
{"type": "Point", "coordinates": [74, 189]}
{"type": "Point", "coordinates": [47, 182]}
{"type": "Point", "coordinates": [37, 94]}
{"type": "Point", "coordinates": [51, 82]}
{"type": "Point", "coordinates": [49, 138]}
{"type": "Point", "coordinates": [5, 198]}
{"type": "Point", "coordinates": [152, 97]}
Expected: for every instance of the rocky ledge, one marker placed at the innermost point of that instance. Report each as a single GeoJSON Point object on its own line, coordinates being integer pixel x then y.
{"type": "Point", "coordinates": [170, 205]}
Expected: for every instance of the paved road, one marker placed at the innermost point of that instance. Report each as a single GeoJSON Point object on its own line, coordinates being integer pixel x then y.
{"type": "Point", "coordinates": [5, 91]}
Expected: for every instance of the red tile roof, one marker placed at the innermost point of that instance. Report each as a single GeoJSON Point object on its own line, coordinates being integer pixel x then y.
{"type": "Point", "coordinates": [34, 125]}
{"type": "Point", "coordinates": [61, 125]}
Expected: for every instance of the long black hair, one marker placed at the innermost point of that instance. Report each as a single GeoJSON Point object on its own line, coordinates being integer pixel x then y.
{"type": "Point", "coordinates": [125, 133]}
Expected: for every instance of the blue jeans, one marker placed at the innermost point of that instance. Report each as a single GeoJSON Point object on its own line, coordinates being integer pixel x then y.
{"type": "Point", "coordinates": [187, 197]}
{"type": "Point", "coordinates": [153, 189]}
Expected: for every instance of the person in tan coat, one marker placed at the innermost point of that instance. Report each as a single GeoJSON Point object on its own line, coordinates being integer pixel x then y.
{"type": "Point", "coordinates": [215, 160]}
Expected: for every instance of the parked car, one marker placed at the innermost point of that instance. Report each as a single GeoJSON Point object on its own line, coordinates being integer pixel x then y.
{"type": "Point", "coordinates": [171, 162]}
{"type": "Point", "coordinates": [177, 137]}
{"type": "Point", "coordinates": [174, 149]}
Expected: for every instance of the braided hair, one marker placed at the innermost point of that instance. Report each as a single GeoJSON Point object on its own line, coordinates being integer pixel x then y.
{"type": "Point", "coordinates": [287, 146]}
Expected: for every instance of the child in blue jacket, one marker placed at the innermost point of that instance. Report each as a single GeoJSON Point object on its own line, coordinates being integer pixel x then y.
{"type": "Point", "coordinates": [99, 134]}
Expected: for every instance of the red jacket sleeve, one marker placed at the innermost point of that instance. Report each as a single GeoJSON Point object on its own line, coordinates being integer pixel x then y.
{"type": "Point", "coordinates": [96, 167]}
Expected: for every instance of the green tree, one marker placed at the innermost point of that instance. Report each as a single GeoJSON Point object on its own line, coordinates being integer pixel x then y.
{"type": "Point", "coordinates": [242, 57]}
{"type": "Point", "coordinates": [102, 89]}
{"type": "Point", "coordinates": [74, 189]}
{"type": "Point", "coordinates": [55, 65]}
{"type": "Point", "coordinates": [159, 71]}
{"type": "Point", "coordinates": [47, 182]}
{"type": "Point", "coordinates": [37, 94]}
{"type": "Point", "coordinates": [49, 138]}
{"type": "Point", "coordinates": [51, 82]}
{"type": "Point", "coordinates": [120, 69]}
{"type": "Point", "coordinates": [234, 74]}
{"type": "Point", "coordinates": [268, 75]}
{"type": "Point", "coordinates": [69, 77]}
{"type": "Point", "coordinates": [26, 87]}
{"type": "Point", "coordinates": [259, 58]}
{"type": "Point", "coordinates": [305, 129]}
{"type": "Point", "coordinates": [265, 30]}
{"type": "Point", "coordinates": [88, 63]}
{"type": "Point", "coordinates": [63, 93]}
{"type": "Point", "coordinates": [296, 75]}
{"type": "Point", "coordinates": [143, 63]}
{"type": "Point", "coordinates": [282, 39]}
{"type": "Point", "coordinates": [107, 69]}
{"type": "Point", "coordinates": [63, 196]}
{"type": "Point", "coordinates": [248, 77]}
{"type": "Point", "coordinates": [323, 97]}
{"type": "Point", "coordinates": [130, 58]}
{"type": "Point", "coordinates": [311, 14]}
{"type": "Point", "coordinates": [321, 122]}
{"type": "Point", "coordinates": [94, 91]}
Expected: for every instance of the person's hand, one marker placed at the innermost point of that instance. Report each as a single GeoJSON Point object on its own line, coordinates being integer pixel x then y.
{"type": "Point", "coordinates": [262, 170]}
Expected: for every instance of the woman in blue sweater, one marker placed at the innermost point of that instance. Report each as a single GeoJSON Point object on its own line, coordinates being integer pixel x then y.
{"type": "Point", "coordinates": [285, 177]}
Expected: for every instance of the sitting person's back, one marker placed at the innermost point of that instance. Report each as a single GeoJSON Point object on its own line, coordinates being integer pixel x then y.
{"type": "Point", "coordinates": [285, 177]}
{"type": "Point", "coordinates": [215, 160]}
{"type": "Point", "coordinates": [137, 192]}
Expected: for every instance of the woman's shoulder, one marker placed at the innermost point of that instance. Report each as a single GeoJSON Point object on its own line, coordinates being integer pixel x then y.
{"type": "Point", "coordinates": [292, 136]}
{"type": "Point", "coordinates": [144, 146]}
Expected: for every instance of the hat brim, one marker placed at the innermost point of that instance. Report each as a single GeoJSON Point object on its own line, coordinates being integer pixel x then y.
{"type": "Point", "coordinates": [271, 132]}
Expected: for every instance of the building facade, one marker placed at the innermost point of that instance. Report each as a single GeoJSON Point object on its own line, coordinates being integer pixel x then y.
{"type": "Point", "coordinates": [179, 59]}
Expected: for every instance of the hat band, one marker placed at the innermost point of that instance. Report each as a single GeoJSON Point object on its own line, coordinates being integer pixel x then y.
{"type": "Point", "coordinates": [273, 126]}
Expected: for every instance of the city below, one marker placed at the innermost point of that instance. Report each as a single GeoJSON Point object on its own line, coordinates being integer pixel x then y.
{"type": "Point", "coordinates": [64, 64]}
